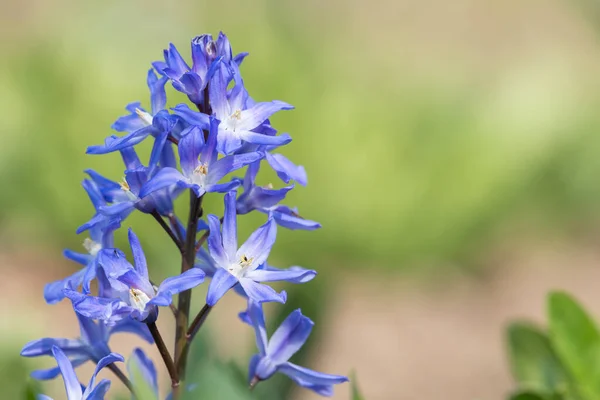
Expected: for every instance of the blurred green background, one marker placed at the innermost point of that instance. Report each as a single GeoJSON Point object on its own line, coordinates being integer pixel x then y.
{"type": "Point", "coordinates": [433, 133]}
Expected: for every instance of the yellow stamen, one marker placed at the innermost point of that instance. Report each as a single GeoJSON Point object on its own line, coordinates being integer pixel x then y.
{"type": "Point", "coordinates": [124, 185]}
{"type": "Point", "coordinates": [201, 169]}
{"type": "Point", "coordinates": [236, 115]}
{"type": "Point", "coordinates": [245, 261]}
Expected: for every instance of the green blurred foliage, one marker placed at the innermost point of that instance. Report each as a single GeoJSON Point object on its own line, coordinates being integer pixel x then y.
{"type": "Point", "coordinates": [562, 363]}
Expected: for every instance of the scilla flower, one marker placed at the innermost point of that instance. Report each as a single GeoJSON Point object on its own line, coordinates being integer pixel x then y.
{"type": "Point", "coordinates": [285, 342]}
{"type": "Point", "coordinates": [135, 297]}
{"type": "Point", "coordinates": [93, 391]}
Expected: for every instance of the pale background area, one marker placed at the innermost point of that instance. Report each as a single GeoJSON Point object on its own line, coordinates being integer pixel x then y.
{"type": "Point", "coordinates": [453, 153]}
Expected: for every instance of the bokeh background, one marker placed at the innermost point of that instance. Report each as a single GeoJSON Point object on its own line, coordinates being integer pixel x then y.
{"type": "Point", "coordinates": [453, 152]}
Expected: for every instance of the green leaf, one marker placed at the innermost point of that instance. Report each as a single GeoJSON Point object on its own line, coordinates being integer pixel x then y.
{"type": "Point", "coordinates": [528, 396]}
{"type": "Point", "coordinates": [356, 395]}
{"type": "Point", "coordinates": [31, 391]}
{"type": "Point", "coordinates": [576, 341]}
{"type": "Point", "coordinates": [533, 362]}
{"type": "Point", "coordinates": [532, 395]}
{"type": "Point", "coordinates": [216, 381]}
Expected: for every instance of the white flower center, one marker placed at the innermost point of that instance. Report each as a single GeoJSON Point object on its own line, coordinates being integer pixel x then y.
{"type": "Point", "coordinates": [199, 175]}
{"type": "Point", "coordinates": [239, 269]}
{"type": "Point", "coordinates": [144, 116]}
{"type": "Point", "coordinates": [138, 299]}
{"type": "Point", "coordinates": [230, 123]}
{"type": "Point", "coordinates": [92, 247]}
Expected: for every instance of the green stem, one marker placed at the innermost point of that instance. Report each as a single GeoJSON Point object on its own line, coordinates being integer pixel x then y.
{"type": "Point", "coordinates": [188, 256]}
{"type": "Point", "coordinates": [164, 353]}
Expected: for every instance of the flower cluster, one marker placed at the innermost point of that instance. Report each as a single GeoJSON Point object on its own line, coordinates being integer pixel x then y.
{"type": "Point", "coordinates": [195, 149]}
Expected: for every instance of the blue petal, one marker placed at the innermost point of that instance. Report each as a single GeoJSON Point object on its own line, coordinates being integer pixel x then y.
{"type": "Point", "coordinates": [98, 392]}
{"type": "Point", "coordinates": [53, 292]}
{"type": "Point", "coordinates": [167, 157]}
{"type": "Point", "coordinates": [229, 164]}
{"type": "Point", "coordinates": [72, 385]}
{"type": "Point", "coordinates": [217, 91]}
{"type": "Point", "coordinates": [93, 193]}
{"type": "Point", "coordinates": [259, 138]}
{"type": "Point", "coordinates": [257, 114]}
{"type": "Point", "coordinates": [206, 263]}
{"type": "Point", "coordinates": [191, 117]}
{"type": "Point", "coordinates": [209, 151]}
{"type": "Point", "coordinates": [133, 326]}
{"type": "Point", "coordinates": [250, 176]}
{"type": "Point", "coordinates": [215, 243]}
{"type": "Point", "coordinates": [257, 317]}
{"type": "Point", "coordinates": [125, 141]}
{"type": "Point", "coordinates": [177, 284]}
{"type": "Point", "coordinates": [240, 57]}
{"type": "Point", "coordinates": [286, 170]}
{"type": "Point", "coordinates": [130, 157]}
{"type": "Point", "coordinates": [230, 226]}
{"type": "Point", "coordinates": [130, 122]}
{"type": "Point", "coordinates": [139, 259]}
{"type": "Point", "coordinates": [260, 197]}
{"type": "Point", "coordinates": [136, 178]}
{"type": "Point", "coordinates": [164, 178]}
{"type": "Point", "coordinates": [223, 187]}
{"type": "Point", "coordinates": [117, 210]}
{"type": "Point", "coordinates": [157, 151]}
{"type": "Point", "coordinates": [113, 262]}
{"type": "Point", "coordinates": [43, 347]}
{"type": "Point", "coordinates": [293, 275]}
{"type": "Point", "coordinates": [192, 86]}
{"type": "Point", "coordinates": [90, 331]}
{"type": "Point", "coordinates": [80, 258]}
{"type": "Point", "coordinates": [228, 142]}
{"type": "Point", "coordinates": [317, 381]}
{"type": "Point", "coordinates": [288, 218]}
{"type": "Point", "coordinates": [252, 367]}
{"type": "Point", "coordinates": [221, 282]}
{"type": "Point", "coordinates": [199, 56]}
{"type": "Point", "coordinates": [261, 293]}
{"type": "Point", "coordinates": [190, 145]}
{"type": "Point", "coordinates": [289, 337]}
{"type": "Point", "coordinates": [132, 279]}
{"type": "Point", "coordinates": [94, 307]}
{"type": "Point", "coordinates": [158, 96]}
{"type": "Point", "coordinates": [259, 244]}
{"type": "Point", "coordinates": [51, 373]}
{"type": "Point", "coordinates": [145, 366]}
{"type": "Point", "coordinates": [175, 61]}
{"type": "Point", "coordinates": [109, 189]}
{"type": "Point", "coordinates": [109, 359]}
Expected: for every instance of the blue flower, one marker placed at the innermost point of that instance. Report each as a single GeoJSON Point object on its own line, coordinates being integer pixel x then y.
{"type": "Point", "coordinates": [126, 195]}
{"type": "Point", "coordinates": [266, 199]}
{"type": "Point", "coordinates": [244, 266]}
{"type": "Point", "coordinates": [206, 55]}
{"type": "Point", "coordinates": [241, 121]}
{"type": "Point", "coordinates": [285, 342]}
{"type": "Point", "coordinates": [74, 390]}
{"type": "Point", "coordinates": [202, 170]}
{"type": "Point", "coordinates": [92, 345]}
{"type": "Point", "coordinates": [294, 274]}
{"type": "Point", "coordinates": [101, 230]}
{"type": "Point", "coordinates": [131, 295]}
